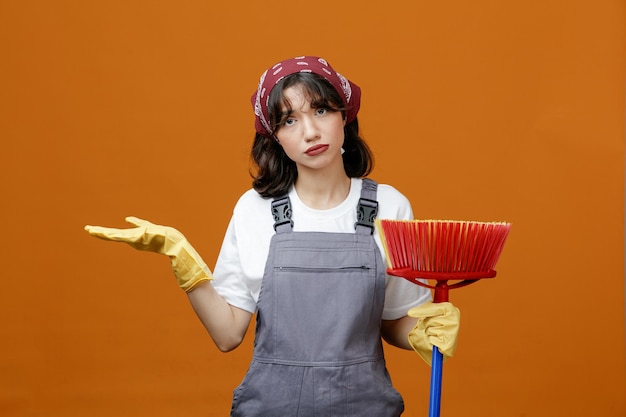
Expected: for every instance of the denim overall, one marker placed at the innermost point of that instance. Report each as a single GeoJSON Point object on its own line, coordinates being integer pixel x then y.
{"type": "Point", "coordinates": [318, 349]}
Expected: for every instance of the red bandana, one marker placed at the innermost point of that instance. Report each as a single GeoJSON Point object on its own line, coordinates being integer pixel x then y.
{"type": "Point", "coordinates": [350, 93]}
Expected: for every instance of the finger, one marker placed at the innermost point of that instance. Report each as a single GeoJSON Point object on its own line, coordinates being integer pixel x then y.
{"type": "Point", "coordinates": [136, 221]}
{"type": "Point", "coordinates": [119, 235]}
{"type": "Point", "coordinates": [430, 325]}
{"type": "Point", "coordinates": [445, 321]}
{"type": "Point", "coordinates": [428, 309]}
{"type": "Point", "coordinates": [95, 230]}
{"type": "Point", "coordinates": [445, 345]}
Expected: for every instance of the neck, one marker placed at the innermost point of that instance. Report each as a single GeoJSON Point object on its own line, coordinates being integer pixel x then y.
{"type": "Point", "coordinates": [320, 192]}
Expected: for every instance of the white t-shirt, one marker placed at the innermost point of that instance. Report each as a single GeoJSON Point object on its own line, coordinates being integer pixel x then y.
{"type": "Point", "coordinates": [241, 263]}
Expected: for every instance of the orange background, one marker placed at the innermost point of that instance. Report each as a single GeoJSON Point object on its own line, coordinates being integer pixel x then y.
{"type": "Point", "coordinates": [476, 110]}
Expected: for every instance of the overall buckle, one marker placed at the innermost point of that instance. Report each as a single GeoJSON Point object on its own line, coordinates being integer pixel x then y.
{"type": "Point", "coordinates": [366, 213]}
{"type": "Point", "coordinates": [281, 210]}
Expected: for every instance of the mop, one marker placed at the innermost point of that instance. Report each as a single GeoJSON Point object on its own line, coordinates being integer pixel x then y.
{"type": "Point", "coordinates": [442, 251]}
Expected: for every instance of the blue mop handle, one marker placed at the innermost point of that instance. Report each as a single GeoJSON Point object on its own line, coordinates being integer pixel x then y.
{"type": "Point", "coordinates": [436, 370]}
{"type": "Point", "coordinates": [435, 383]}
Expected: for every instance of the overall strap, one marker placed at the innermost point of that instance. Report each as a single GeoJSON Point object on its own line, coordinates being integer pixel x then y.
{"type": "Point", "coordinates": [281, 210]}
{"type": "Point", "coordinates": [366, 212]}
{"type": "Point", "coordinates": [368, 208]}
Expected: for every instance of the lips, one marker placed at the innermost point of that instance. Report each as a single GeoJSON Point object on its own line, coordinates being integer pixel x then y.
{"type": "Point", "coordinates": [316, 150]}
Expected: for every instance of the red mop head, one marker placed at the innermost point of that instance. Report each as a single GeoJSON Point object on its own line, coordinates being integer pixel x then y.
{"type": "Point", "coordinates": [442, 249]}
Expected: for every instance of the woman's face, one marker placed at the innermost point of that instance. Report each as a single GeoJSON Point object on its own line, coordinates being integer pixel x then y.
{"type": "Point", "coordinates": [311, 137]}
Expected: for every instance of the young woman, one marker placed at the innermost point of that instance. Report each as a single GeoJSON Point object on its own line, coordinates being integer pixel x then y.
{"type": "Point", "coordinates": [301, 252]}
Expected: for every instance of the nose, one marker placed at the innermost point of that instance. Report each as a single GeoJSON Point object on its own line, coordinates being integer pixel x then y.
{"type": "Point", "coordinates": [310, 129]}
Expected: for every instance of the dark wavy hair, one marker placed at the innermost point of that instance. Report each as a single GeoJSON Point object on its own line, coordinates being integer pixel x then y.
{"type": "Point", "coordinates": [274, 172]}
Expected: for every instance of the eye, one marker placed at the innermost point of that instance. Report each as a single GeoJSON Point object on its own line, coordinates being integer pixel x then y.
{"type": "Point", "coordinates": [321, 111]}
{"type": "Point", "coordinates": [286, 119]}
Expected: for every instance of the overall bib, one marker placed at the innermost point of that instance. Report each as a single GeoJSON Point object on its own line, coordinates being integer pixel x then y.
{"type": "Point", "coordinates": [318, 349]}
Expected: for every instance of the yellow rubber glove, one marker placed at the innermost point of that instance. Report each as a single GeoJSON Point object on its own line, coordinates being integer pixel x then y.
{"type": "Point", "coordinates": [438, 325]}
{"type": "Point", "coordinates": [189, 268]}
